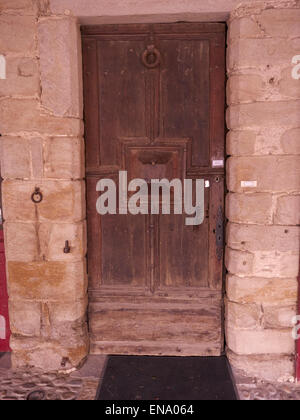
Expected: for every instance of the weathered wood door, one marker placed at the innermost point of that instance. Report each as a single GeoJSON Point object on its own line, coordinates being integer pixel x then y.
{"type": "Point", "coordinates": [154, 106]}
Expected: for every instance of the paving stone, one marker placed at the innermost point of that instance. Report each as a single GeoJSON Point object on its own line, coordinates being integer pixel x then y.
{"type": "Point", "coordinates": [68, 396]}
{"type": "Point", "coordinates": [75, 383]}
{"type": "Point", "coordinates": [265, 391]}
{"type": "Point", "coordinates": [29, 386]}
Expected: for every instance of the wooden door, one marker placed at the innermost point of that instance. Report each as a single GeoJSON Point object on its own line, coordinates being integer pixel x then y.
{"type": "Point", "coordinates": [154, 106]}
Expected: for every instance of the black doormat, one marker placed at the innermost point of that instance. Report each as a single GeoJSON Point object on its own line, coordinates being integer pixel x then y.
{"type": "Point", "coordinates": [134, 378]}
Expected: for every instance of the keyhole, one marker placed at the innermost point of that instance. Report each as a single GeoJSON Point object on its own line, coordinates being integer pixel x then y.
{"type": "Point", "coordinates": [151, 58]}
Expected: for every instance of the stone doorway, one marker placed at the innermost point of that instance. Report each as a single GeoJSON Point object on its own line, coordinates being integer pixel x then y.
{"type": "Point", "coordinates": [41, 123]}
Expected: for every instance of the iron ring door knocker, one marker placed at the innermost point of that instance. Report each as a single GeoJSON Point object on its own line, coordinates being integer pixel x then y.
{"type": "Point", "coordinates": [151, 57]}
{"type": "Point", "coordinates": [37, 196]}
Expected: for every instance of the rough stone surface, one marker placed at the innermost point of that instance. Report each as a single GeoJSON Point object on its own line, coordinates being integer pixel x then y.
{"type": "Point", "coordinates": [21, 243]}
{"type": "Point", "coordinates": [261, 341]}
{"type": "Point", "coordinates": [52, 239]}
{"type": "Point", "coordinates": [35, 158]}
{"type": "Point", "coordinates": [25, 317]}
{"type": "Point", "coordinates": [288, 87]}
{"type": "Point", "coordinates": [263, 141]}
{"type": "Point", "coordinates": [243, 316]}
{"type": "Point", "coordinates": [51, 281]}
{"type": "Point", "coordinates": [288, 210]}
{"type": "Point", "coordinates": [269, 23]}
{"type": "Point", "coordinates": [255, 238]}
{"type": "Point", "coordinates": [60, 66]}
{"type": "Point", "coordinates": [268, 367]}
{"type": "Point", "coordinates": [263, 114]}
{"type": "Point", "coordinates": [270, 291]}
{"type": "Point", "coordinates": [24, 115]}
{"type": "Point", "coordinates": [274, 263]}
{"type": "Point", "coordinates": [272, 173]}
{"type": "Point", "coordinates": [18, 34]}
{"type": "Point", "coordinates": [64, 158]}
{"type": "Point", "coordinates": [241, 142]}
{"type": "Point", "coordinates": [112, 11]}
{"type": "Point", "coordinates": [290, 141]}
{"type": "Point", "coordinates": [245, 88]}
{"type": "Point", "coordinates": [262, 254]}
{"type": "Point", "coordinates": [64, 353]}
{"type": "Point", "coordinates": [249, 53]}
{"type": "Point", "coordinates": [22, 77]}
{"type": "Point", "coordinates": [279, 316]}
{"type": "Point", "coordinates": [253, 254]}
{"type": "Point", "coordinates": [238, 262]}
{"type": "Point", "coordinates": [42, 147]}
{"type": "Point", "coordinates": [250, 208]}
{"type": "Point", "coordinates": [62, 201]}
{"type": "Point", "coordinates": [15, 158]}
{"type": "Point", "coordinates": [67, 311]}
{"type": "Point", "coordinates": [22, 7]}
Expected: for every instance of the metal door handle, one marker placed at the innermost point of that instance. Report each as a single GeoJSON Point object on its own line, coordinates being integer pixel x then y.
{"type": "Point", "coordinates": [151, 57]}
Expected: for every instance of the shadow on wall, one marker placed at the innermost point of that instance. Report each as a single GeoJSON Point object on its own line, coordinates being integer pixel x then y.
{"type": "Point", "coordinates": [5, 360]}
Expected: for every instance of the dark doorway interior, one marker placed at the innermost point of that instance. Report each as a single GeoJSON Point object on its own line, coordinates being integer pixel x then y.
{"type": "Point", "coordinates": [167, 378]}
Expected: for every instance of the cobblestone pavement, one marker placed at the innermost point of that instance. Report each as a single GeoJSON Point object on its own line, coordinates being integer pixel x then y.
{"type": "Point", "coordinates": [23, 384]}
{"type": "Point", "coordinates": [252, 389]}
{"type": "Point", "coordinates": [34, 384]}
{"type": "Point", "coordinates": [26, 384]}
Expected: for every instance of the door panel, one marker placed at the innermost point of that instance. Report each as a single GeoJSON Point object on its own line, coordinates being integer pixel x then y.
{"type": "Point", "coordinates": [121, 95]}
{"type": "Point", "coordinates": [183, 253]}
{"type": "Point", "coordinates": [124, 242]}
{"type": "Point", "coordinates": [185, 94]}
{"type": "Point", "coordinates": [154, 106]}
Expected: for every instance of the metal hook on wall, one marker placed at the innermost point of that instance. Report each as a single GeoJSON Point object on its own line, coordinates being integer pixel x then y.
{"type": "Point", "coordinates": [67, 248]}
{"type": "Point", "coordinates": [37, 196]}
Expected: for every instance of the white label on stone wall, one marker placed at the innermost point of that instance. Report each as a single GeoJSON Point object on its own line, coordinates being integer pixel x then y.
{"type": "Point", "coordinates": [207, 184]}
{"type": "Point", "coordinates": [2, 328]}
{"type": "Point", "coordinates": [296, 69]}
{"type": "Point", "coordinates": [296, 329]}
{"type": "Point", "coordinates": [2, 67]}
{"type": "Point", "coordinates": [218, 163]}
{"type": "Point", "coordinates": [248, 184]}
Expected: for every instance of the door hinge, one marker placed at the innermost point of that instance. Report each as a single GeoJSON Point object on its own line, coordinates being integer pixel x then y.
{"type": "Point", "coordinates": [219, 231]}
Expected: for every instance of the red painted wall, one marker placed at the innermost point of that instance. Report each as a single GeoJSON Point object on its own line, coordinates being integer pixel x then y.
{"type": "Point", "coordinates": [4, 320]}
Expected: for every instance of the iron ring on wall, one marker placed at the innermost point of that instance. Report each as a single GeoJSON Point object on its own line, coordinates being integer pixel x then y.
{"type": "Point", "coordinates": [151, 51]}
{"type": "Point", "coordinates": [37, 196]}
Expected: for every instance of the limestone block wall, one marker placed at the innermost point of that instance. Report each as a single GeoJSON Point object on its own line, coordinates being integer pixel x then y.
{"type": "Point", "coordinates": [263, 143]}
{"type": "Point", "coordinates": [42, 147]}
